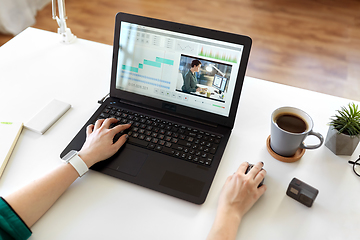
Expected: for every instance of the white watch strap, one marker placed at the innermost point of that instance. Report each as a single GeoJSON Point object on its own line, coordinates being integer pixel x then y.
{"type": "Point", "coordinates": [79, 165]}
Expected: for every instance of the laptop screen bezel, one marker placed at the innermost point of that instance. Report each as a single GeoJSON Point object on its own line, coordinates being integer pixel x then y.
{"type": "Point", "coordinates": [168, 107]}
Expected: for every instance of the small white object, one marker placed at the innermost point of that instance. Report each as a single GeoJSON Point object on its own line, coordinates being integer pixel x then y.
{"type": "Point", "coordinates": [66, 35]}
{"type": "Point", "coordinates": [73, 158]}
{"type": "Point", "coordinates": [47, 116]}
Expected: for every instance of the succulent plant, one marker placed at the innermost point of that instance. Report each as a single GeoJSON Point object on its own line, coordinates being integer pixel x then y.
{"type": "Point", "coordinates": [347, 121]}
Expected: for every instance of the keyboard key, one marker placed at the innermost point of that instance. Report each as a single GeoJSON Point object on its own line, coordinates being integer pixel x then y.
{"type": "Point", "coordinates": [177, 147]}
{"type": "Point", "coordinates": [192, 134]}
{"type": "Point", "coordinates": [183, 142]}
{"type": "Point", "coordinates": [136, 141]}
{"type": "Point", "coordinates": [209, 157]}
{"type": "Point", "coordinates": [168, 151]}
{"type": "Point", "coordinates": [213, 149]}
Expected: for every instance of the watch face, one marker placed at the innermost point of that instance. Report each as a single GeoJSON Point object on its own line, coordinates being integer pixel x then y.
{"type": "Point", "coordinates": [69, 155]}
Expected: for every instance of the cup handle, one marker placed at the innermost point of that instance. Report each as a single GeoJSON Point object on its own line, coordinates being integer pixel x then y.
{"type": "Point", "coordinates": [318, 135]}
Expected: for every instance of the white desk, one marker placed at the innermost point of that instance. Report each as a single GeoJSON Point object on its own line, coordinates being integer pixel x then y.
{"type": "Point", "coordinates": [101, 207]}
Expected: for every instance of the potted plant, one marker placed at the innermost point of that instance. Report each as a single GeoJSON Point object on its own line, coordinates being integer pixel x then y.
{"type": "Point", "coordinates": [344, 132]}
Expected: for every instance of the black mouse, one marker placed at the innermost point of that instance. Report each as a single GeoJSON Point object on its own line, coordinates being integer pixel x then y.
{"type": "Point", "coordinates": [249, 168]}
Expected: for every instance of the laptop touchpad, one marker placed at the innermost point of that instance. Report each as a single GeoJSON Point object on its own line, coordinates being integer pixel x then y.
{"type": "Point", "coordinates": [129, 161]}
{"type": "Point", "coordinates": [182, 183]}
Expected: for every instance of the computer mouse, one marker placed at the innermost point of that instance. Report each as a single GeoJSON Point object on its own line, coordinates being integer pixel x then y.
{"type": "Point", "coordinates": [249, 168]}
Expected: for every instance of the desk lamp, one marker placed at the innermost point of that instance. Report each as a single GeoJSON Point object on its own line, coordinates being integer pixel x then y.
{"type": "Point", "coordinates": [63, 30]}
{"type": "Point", "coordinates": [208, 68]}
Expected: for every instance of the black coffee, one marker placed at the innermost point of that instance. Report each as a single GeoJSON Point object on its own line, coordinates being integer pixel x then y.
{"type": "Point", "coordinates": [291, 123]}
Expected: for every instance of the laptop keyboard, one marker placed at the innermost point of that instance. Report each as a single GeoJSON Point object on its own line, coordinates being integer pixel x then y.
{"type": "Point", "coordinates": [166, 137]}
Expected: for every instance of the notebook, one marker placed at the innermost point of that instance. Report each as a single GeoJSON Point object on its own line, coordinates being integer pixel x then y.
{"type": "Point", "coordinates": [177, 138]}
{"type": "Point", "coordinates": [9, 134]}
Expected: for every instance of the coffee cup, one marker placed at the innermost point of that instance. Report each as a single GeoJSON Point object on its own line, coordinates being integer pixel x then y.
{"type": "Point", "coordinates": [289, 128]}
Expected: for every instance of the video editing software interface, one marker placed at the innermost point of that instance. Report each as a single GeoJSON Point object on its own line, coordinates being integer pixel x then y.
{"type": "Point", "coordinates": [153, 62]}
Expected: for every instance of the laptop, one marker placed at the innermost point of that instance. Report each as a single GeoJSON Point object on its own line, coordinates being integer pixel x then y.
{"type": "Point", "coordinates": [177, 138]}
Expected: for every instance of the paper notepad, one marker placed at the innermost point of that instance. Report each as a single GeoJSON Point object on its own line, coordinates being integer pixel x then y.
{"type": "Point", "coordinates": [9, 134]}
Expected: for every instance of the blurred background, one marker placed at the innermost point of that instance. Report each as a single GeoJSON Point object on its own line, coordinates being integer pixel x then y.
{"type": "Point", "coordinates": [310, 44]}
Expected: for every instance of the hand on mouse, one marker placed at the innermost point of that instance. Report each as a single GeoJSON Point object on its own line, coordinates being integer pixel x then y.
{"type": "Point", "coordinates": [99, 141]}
{"type": "Point", "coordinates": [241, 191]}
{"type": "Point", "coordinates": [238, 195]}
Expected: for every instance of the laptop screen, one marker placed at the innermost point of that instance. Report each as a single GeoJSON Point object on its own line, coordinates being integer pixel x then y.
{"type": "Point", "coordinates": [179, 68]}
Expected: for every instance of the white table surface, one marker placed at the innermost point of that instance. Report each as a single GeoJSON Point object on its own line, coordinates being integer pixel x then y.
{"type": "Point", "coordinates": [35, 68]}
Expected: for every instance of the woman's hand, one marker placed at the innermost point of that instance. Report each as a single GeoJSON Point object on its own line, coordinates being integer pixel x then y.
{"type": "Point", "coordinates": [99, 141]}
{"type": "Point", "coordinates": [238, 195]}
{"type": "Point", "coordinates": [241, 191]}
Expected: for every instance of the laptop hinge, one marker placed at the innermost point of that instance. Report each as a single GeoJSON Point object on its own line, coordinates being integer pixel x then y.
{"type": "Point", "coordinates": [169, 114]}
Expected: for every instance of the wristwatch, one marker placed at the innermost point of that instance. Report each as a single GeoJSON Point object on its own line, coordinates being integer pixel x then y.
{"type": "Point", "coordinates": [79, 165]}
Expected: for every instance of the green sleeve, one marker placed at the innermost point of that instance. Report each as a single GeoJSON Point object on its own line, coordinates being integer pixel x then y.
{"type": "Point", "coordinates": [11, 225]}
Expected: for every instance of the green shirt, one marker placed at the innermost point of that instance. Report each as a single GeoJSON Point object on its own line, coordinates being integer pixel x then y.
{"type": "Point", "coordinates": [189, 82]}
{"type": "Point", "coordinates": [11, 225]}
